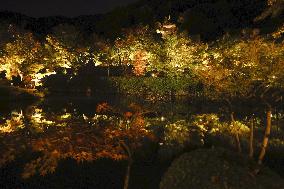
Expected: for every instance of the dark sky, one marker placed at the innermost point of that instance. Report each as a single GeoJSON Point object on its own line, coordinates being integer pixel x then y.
{"type": "Point", "coordinates": [39, 8]}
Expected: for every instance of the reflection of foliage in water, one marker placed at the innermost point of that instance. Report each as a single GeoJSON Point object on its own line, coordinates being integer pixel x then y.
{"type": "Point", "coordinates": [64, 134]}
{"type": "Point", "coordinates": [12, 124]}
{"type": "Point", "coordinates": [199, 130]}
{"type": "Point", "coordinates": [82, 138]}
{"type": "Point", "coordinates": [182, 132]}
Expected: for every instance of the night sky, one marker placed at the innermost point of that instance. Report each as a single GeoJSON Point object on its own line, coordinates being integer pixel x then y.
{"type": "Point", "coordinates": [70, 8]}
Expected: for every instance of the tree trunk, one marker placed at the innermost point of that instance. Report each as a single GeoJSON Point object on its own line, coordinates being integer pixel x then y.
{"type": "Point", "coordinates": [108, 71]}
{"type": "Point", "coordinates": [277, 120]}
{"type": "Point", "coordinates": [130, 161]}
{"type": "Point", "coordinates": [266, 136]}
{"type": "Point", "coordinates": [238, 143]}
{"type": "Point", "coordinates": [127, 174]}
{"type": "Point", "coordinates": [237, 137]}
{"type": "Point", "coordinates": [251, 139]}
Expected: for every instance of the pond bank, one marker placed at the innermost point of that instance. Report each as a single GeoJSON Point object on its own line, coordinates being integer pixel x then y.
{"type": "Point", "coordinates": [18, 93]}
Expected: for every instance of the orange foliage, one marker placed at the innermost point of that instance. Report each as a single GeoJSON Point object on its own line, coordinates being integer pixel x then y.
{"type": "Point", "coordinates": [82, 142]}
{"type": "Point", "coordinates": [127, 114]}
{"type": "Point", "coordinates": [103, 107]}
{"type": "Point", "coordinates": [139, 63]}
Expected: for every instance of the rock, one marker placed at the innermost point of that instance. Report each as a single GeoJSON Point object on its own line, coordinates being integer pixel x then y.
{"type": "Point", "coordinates": [217, 169]}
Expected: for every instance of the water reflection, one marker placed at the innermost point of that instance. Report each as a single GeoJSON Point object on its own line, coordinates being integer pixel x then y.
{"type": "Point", "coordinates": [12, 124]}
{"type": "Point", "coordinates": [89, 129]}
{"type": "Point", "coordinates": [110, 132]}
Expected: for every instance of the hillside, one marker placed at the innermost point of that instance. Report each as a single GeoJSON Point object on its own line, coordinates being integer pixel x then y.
{"type": "Point", "coordinates": [209, 18]}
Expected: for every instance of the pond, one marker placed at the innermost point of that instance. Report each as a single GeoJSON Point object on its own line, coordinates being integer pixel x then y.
{"type": "Point", "coordinates": [38, 130]}
{"type": "Point", "coordinates": [74, 142]}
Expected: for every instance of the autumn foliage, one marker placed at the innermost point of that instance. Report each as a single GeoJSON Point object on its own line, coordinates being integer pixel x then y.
{"type": "Point", "coordinates": [81, 142]}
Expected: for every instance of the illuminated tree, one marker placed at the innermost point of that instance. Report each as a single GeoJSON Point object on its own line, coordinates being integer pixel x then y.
{"type": "Point", "coordinates": [268, 78]}
{"type": "Point", "coordinates": [57, 54]}
{"type": "Point", "coordinates": [168, 58]}
{"type": "Point", "coordinates": [72, 41]}
{"type": "Point", "coordinates": [177, 54]}
{"type": "Point", "coordinates": [135, 49]}
{"type": "Point", "coordinates": [175, 58]}
{"type": "Point", "coordinates": [22, 57]}
{"type": "Point", "coordinates": [245, 69]}
{"type": "Point", "coordinates": [101, 51]}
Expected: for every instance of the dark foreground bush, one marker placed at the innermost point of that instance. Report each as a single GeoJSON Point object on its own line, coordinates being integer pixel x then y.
{"type": "Point", "coordinates": [218, 169]}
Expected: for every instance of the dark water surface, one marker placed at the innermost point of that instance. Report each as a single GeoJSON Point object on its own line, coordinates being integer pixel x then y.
{"type": "Point", "coordinates": [33, 118]}
{"type": "Point", "coordinates": [50, 118]}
